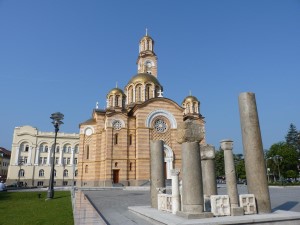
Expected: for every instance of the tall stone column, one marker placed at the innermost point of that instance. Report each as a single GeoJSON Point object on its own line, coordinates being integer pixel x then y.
{"type": "Point", "coordinates": [253, 152]}
{"type": "Point", "coordinates": [37, 156]}
{"type": "Point", "coordinates": [72, 157]}
{"type": "Point", "coordinates": [231, 184]}
{"type": "Point", "coordinates": [157, 170]}
{"type": "Point", "coordinates": [175, 191]}
{"type": "Point", "coordinates": [29, 155]}
{"type": "Point", "coordinates": [60, 156]}
{"type": "Point", "coordinates": [189, 135]}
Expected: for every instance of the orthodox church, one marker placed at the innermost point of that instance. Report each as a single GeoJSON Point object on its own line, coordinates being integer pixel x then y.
{"type": "Point", "coordinates": [115, 142]}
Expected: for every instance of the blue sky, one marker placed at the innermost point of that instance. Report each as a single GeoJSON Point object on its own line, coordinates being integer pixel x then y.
{"type": "Point", "coordinates": [66, 55]}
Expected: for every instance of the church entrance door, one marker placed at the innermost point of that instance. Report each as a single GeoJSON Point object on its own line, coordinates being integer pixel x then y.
{"type": "Point", "coordinates": [116, 176]}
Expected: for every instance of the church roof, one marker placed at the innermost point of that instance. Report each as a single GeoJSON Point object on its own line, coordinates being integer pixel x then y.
{"type": "Point", "coordinates": [115, 91]}
{"type": "Point", "coordinates": [190, 98]}
{"type": "Point", "coordinates": [143, 78]}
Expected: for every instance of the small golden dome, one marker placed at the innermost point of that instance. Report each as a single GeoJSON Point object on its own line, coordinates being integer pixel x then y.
{"type": "Point", "coordinates": [115, 91]}
{"type": "Point", "coordinates": [190, 98]}
{"type": "Point", "coordinates": [143, 78]}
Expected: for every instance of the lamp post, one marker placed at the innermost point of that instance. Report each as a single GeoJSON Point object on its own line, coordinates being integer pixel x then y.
{"type": "Point", "coordinates": [268, 174]}
{"type": "Point", "coordinates": [277, 160]}
{"type": "Point", "coordinates": [57, 121]}
{"type": "Point", "coordinates": [20, 164]}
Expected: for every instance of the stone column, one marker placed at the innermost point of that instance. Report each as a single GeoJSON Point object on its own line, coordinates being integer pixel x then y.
{"type": "Point", "coordinates": [29, 155]}
{"type": "Point", "coordinates": [208, 174]}
{"type": "Point", "coordinates": [231, 184]}
{"type": "Point", "coordinates": [72, 157]}
{"type": "Point", "coordinates": [190, 134]}
{"type": "Point", "coordinates": [208, 170]}
{"type": "Point", "coordinates": [60, 161]}
{"type": "Point", "coordinates": [253, 152]}
{"type": "Point", "coordinates": [37, 156]}
{"type": "Point", "coordinates": [157, 173]}
{"type": "Point", "coordinates": [175, 191]}
{"type": "Point", "coordinates": [49, 156]}
{"type": "Point", "coordinates": [17, 155]}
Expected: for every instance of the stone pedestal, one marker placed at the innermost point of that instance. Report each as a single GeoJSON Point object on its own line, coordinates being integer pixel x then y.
{"type": "Point", "coordinates": [231, 184]}
{"type": "Point", "coordinates": [175, 191]}
{"type": "Point", "coordinates": [253, 152]}
{"type": "Point", "coordinates": [157, 173]}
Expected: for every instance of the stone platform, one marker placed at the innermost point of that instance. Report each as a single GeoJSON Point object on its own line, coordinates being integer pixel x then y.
{"type": "Point", "coordinates": [278, 217]}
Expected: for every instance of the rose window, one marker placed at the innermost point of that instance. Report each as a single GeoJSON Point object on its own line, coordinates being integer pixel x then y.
{"type": "Point", "coordinates": [160, 126]}
{"type": "Point", "coordinates": [117, 125]}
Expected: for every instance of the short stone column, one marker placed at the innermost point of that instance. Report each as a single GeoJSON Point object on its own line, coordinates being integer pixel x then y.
{"type": "Point", "coordinates": [253, 152]}
{"type": "Point", "coordinates": [157, 173]}
{"type": "Point", "coordinates": [190, 134]}
{"type": "Point", "coordinates": [231, 184]}
{"type": "Point", "coordinates": [208, 173]}
{"type": "Point", "coordinates": [175, 191]}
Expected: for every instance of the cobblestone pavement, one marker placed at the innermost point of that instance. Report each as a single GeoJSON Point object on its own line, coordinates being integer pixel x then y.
{"type": "Point", "coordinates": [113, 203]}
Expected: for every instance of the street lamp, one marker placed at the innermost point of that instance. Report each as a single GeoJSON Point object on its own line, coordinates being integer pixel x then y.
{"type": "Point", "coordinates": [57, 121]}
{"type": "Point", "coordinates": [277, 160]}
{"type": "Point", "coordinates": [268, 174]}
{"type": "Point", "coordinates": [20, 163]}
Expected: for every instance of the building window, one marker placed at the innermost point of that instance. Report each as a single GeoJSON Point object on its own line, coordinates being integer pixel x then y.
{"type": "Point", "coordinates": [87, 152]}
{"type": "Point", "coordinates": [69, 149]}
{"type": "Point", "coordinates": [160, 126]}
{"type": "Point", "coordinates": [86, 170]}
{"type": "Point", "coordinates": [57, 149]}
{"type": "Point", "coordinates": [75, 161]}
{"type": "Point", "coordinates": [41, 173]}
{"type": "Point", "coordinates": [40, 183]}
{"type": "Point", "coordinates": [46, 149]}
{"type": "Point", "coordinates": [148, 89]}
{"type": "Point", "coordinates": [44, 160]}
{"type": "Point", "coordinates": [116, 139]}
{"type": "Point", "coordinates": [21, 173]}
{"type": "Point", "coordinates": [55, 173]}
{"type": "Point", "coordinates": [130, 139]}
{"type": "Point", "coordinates": [76, 149]}
{"type": "Point", "coordinates": [26, 148]}
{"type": "Point", "coordinates": [117, 125]}
{"type": "Point", "coordinates": [65, 183]}
{"type": "Point", "coordinates": [76, 173]}
{"type": "Point", "coordinates": [56, 160]}
{"type": "Point", "coordinates": [25, 159]}
{"type": "Point", "coordinates": [130, 166]}
{"type": "Point", "coordinates": [68, 161]}
{"type": "Point", "coordinates": [65, 161]}
{"type": "Point", "coordinates": [66, 173]}
{"type": "Point", "coordinates": [117, 100]}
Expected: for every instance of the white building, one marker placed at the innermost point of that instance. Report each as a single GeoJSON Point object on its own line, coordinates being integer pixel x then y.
{"type": "Point", "coordinates": [30, 163]}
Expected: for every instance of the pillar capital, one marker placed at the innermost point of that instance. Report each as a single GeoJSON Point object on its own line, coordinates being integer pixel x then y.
{"type": "Point", "coordinates": [226, 144]}
{"type": "Point", "coordinates": [207, 152]}
{"type": "Point", "coordinates": [189, 131]}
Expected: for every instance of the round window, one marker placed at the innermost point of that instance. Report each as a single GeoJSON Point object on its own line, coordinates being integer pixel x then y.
{"type": "Point", "coordinates": [117, 125]}
{"type": "Point", "coordinates": [160, 126]}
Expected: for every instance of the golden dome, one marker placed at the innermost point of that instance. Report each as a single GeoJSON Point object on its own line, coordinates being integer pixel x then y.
{"type": "Point", "coordinates": [190, 98]}
{"type": "Point", "coordinates": [143, 78]}
{"type": "Point", "coordinates": [115, 91]}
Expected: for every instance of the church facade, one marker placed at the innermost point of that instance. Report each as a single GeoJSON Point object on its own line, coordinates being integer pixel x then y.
{"type": "Point", "coordinates": [115, 142]}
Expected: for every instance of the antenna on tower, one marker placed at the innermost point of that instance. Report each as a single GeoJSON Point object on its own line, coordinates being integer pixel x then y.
{"type": "Point", "coordinates": [146, 31]}
{"type": "Point", "coordinates": [116, 84]}
{"type": "Point", "coordinates": [190, 93]}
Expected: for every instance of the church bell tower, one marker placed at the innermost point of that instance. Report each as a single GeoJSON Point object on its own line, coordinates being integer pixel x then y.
{"type": "Point", "coordinates": [147, 60]}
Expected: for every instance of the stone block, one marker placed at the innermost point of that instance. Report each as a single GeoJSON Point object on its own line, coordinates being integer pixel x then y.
{"type": "Point", "coordinates": [237, 211]}
{"type": "Point", "coordinates": [189, 131]}
{"type": "Point", "coordinates": [220, 205]}
{"type": "Point", "coordinates": [248, 203]}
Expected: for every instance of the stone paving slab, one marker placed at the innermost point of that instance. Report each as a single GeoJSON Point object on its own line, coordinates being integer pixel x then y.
{"type": "Point", "coordinates": [275, 218]}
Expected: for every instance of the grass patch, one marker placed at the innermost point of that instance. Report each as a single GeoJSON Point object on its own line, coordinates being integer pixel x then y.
{"type": "Point", "coordinates": [26, 208]}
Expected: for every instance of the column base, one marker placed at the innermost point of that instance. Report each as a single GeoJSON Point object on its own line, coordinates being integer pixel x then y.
{"type": "Point", "coordinates": [188, 215]}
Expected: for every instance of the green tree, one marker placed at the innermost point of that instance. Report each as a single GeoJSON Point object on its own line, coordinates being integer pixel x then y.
{"type": "Point", "coordinates": [289, 158]}
{"type": "Point", "coordinates": [220, 168]}
{"type": "Point", "coordinates": [292, 138]}
{"type": "Point", "coordinates": [240, 166]}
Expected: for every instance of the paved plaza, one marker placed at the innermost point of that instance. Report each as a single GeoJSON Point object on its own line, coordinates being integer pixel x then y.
{"type": "Point", "coordinates": [112, 204]}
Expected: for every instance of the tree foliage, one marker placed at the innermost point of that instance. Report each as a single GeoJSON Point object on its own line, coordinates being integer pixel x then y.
{"type": "Point", "coordinates": [220, 167]}
{"type": "Point", "coordinates": [293, 137]}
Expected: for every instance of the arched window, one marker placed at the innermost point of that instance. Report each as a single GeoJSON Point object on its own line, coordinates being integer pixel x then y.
{"type": "Point", "coordinates": [76, 173]}
{"type": "Point", "coordinates": [131, 94]}
{"type": "Point", "coordinates": [21, 173]}
{"type": "Point", "coordinates": [57, 149]}
{"type": "Point", "coordinates": [87, 152]}
{"type": "Point", "coordinates": [76, 149]}
{"type": "Point", "coordinates": [46, 148]}
{"type": "Point", "coordinates": [41, 173]}
{"type": "Point", "coordinates": [110, 101]}
{"type": "Point", "coordinates": [117, 100]}
{"type": "Point", "coordinates": [148, 90]}
{"type": "Point", "coordinates": [26, 148]}
{"type": "Point", "coordinates": [116, 139]}
{"type": "Point", "coordinates": [139, 95]}
{"type": "Point", "coordinates": [65, 149]}
{"type": "Point", "coordinates": [86, 170]}
{"type": "Point", "coordinates": [66, 173]}
{"type": "Point", "coordinates": [130, 139]}
{"type": "Point", "coordinates": [69, 149]}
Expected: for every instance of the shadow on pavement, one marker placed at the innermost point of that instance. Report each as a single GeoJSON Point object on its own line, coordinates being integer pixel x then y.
{"type": "Point", "coordinates": [286, 206]}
